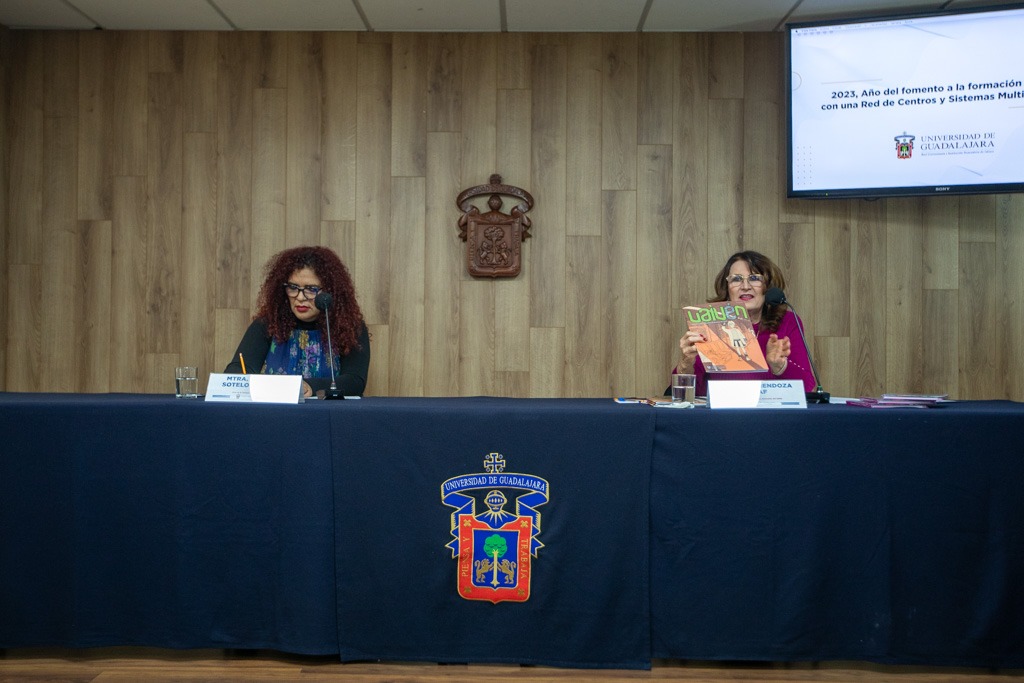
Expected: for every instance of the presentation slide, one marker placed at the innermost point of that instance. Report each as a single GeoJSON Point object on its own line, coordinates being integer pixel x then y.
{"type": "Point", "coordinates": [936, 101]}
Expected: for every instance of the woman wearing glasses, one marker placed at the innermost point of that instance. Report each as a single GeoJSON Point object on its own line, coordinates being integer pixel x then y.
{"type": "Point", "coordinates": [288, 335]}
{"type": "Point", "coordinates": [744, 279]}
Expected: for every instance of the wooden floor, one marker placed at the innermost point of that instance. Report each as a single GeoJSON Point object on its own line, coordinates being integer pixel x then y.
{"type": "Point", "coordinates": [142, 664]}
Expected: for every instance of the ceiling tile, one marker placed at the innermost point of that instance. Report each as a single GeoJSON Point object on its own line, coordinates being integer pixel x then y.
{"type": "Point", "coordinates": [160, 15]}
{"type": "Point", "coordinates": [451, 15]}
{"type": "Point", "coordinates": [719, 15]}
{"type": "Point", "coordinates": [41, 14]}
{"type": "Point", "coordinates": [432, 15]}
{"type": "Point", "coordinates": [292, 15]}
{"type": "Point", "coordinates": [574, 15]}
{"type": "Point", "coordinates": [813, 10]}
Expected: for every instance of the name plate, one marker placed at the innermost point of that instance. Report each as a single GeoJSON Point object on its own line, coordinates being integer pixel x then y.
{"type": "Point", "coordinates": [254, 388]}
{"type": "Point", "coordinates": [755, 393]}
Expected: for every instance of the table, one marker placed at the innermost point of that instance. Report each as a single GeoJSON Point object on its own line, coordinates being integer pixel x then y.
{"type": "Point", "coordinates": [327, 528]}
{"type": "Point", "coordinates": [894, 536]}
{"type": "Point", "coordinates": [149, 520]}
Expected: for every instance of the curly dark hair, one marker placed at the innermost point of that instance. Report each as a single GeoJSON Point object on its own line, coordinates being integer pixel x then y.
{"type": "Point", "coordinates": [272, 303]}
{"type": "Point", "coordinates": [758, 263]}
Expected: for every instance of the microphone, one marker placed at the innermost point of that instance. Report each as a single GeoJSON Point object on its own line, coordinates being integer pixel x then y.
{"type": "Point", "coordinates": [775, 297]}
{"type": "Point", "coordinates": [323, 302]}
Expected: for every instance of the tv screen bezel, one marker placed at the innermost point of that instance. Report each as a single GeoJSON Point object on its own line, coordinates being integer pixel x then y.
{"type": "Point", "coordinates": [882, 191]}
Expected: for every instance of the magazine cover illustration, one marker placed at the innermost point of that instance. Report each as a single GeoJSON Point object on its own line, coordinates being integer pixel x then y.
{"type": "Point", "coordinates": [731, 344]}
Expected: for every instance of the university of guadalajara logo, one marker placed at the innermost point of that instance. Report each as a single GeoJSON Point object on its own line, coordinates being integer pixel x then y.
{"type": "Point", "coordinates": [904, 145]}
{"type": "Point", "coordinates": [494, 546]}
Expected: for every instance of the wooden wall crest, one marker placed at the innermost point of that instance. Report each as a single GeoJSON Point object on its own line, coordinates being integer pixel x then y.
{"type": "Point", "coordinates": [493, 239]}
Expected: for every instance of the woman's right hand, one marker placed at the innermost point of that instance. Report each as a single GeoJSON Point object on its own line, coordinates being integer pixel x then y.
{"type": "Point", "coordinates": [688, 349]}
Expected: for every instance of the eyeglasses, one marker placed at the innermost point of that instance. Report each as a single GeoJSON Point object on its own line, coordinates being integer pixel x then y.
{"type": "Point", "coordinates": [754, 279]}
{"type": "Point", "coordinates": [294, 290]}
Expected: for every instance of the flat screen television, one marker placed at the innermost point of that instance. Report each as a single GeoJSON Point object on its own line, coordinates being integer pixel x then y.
{"type": "Point", "coordinates": [909, 105]}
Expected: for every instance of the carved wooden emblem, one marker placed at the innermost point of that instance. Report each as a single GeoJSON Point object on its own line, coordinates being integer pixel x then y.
{"type": "Point", "coordinates": [493, 239]}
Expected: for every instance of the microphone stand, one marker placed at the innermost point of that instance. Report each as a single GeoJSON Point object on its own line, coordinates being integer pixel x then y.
{"type": "Point", "coordinates": [819, 395]}
{"type": "Point", "coordinates": [323, 301]}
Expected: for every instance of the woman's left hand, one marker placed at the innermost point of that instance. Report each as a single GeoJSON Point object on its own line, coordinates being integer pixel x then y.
{"type": "Point", "coordinates": [307, 390]}
{"type": "Point", "coordinates": [777, 354]}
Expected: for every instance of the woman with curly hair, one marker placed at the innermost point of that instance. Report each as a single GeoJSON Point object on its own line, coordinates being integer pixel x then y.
{"type": "Point", "coordinates": [288, 334]}
{"type": "Point", "coordinates": [743, 281]}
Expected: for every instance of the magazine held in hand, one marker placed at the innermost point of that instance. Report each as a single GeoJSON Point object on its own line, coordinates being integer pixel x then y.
{"type": "Point", "coordinates": [730, 344]}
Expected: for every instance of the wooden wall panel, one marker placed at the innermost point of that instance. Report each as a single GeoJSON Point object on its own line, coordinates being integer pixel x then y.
{"type": "Point", "coordinates": [868, 302]}
{"type": "Point", "coordinates": [654, 300]}
{"type": "Point", "coordinates": [235, 83]}
{"type": "Point", "coordinates": [941, 231]}
{"type": "Point", "coordinates": [304, 97]}
{"type": "Point", "coordinates": [551, 213]}
{"type": "Point", "coordinates": [270, 165]}
{"type": "Point", "coordinates": [339, 127]}
{"type": "Point", "coordinates": [269, 52]}
{"type": "Point", "coordinates": [760, 185]}
{"type": "Point", "coordinates": [655, 89]}
{"type": "Point", "coordinates": [166, 51]}
{"type": "Point", "coordinates": [164, 224]}
{"type": "Point", "coordinates": [445, 262]}
{"type": "Point", "coordinates": [444, 83]}
{"type": "Point", "coordinates": [691, 267]}
{"type": "Point", "coordinates": [25, 138]}
{"type": "Point", "coordinates": [512, 297]}
{"type": "Point", "coordinates": [619, 112]}
{"type": "Point", "coordinates": [379, 377]}
{"type": "Point", "coordinates": [904, 295]}
{"type": "Point", "coordinates": [60, 77]}
{"type": "Point", "coordinates": [620, 291]}
{"type": "Point", "coordinates": [725, 181]}
{"type": "Point", "coordinates": [199, 82]}
{"type": "Point", "coordinates": [405, 361]}
{"type": "Point", "coordinates": [409, 105]}
{"type": "Point", "coordinates": [479, 110]}
{"type": "Point", "coordinates": [939, 362]}
{"type": "Point", "coordinates": [373, 181]}
{"type": "Point", "coordinates": [514, 51]}
{"type": "Point", "coordinates": [975, 350]}
{"type": "Point", "coordinates": [24, 338]}
{"type": "Point", "coordinates": [127, 123]}
{"type": "Point", "coordinates": [60, 254]}
{"type": "Point", "coordinates": [547, 362]}
{"type": "Point", "coordinates": [726, 77]}
{"type": "Point", "coordinates": [148, 177]}
{"type": "Point", "coordinates": [585, 335]}
{"type": "Point", "coordinates": [583, 130]}
{"type": "Point", "coordinates": [198, 240]}
{"type": "Point", "coordinates": [1009, 313]}
{"type": "Point", "coordinates": [339, 123]}
{"type": "Point", "coordinates": [476, 332]}
{"type": "Point", "coordinates": [93, 305]}
{"type": "Point", "coordinates": [128, 268]}
{"type": "Point", "coordinates": [832, 270]}
{"type": "Point", "coordinates": [977, 218]}
{"type": "Point", "coordinates": [96, 131]}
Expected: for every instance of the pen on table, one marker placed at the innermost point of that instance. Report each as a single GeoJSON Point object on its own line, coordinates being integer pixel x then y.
{"type": "Point", "coordinates": [241, 359]}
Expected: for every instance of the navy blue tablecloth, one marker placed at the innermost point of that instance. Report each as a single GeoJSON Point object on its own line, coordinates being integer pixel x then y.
{"type": "Point", "coordinates": [337, 528]}
{"type": "Point", "coordinates": [398, 582]}
{"type": "Point", "coordinates": [150, 520]}
{"type": "Point", "coordinates": [840, 533]}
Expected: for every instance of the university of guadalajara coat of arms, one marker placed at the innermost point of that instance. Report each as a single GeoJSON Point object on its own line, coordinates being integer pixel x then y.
{"type": "Point", "coordinates": [493, 545]}
{"type": "Point", "coordinates": [494, 239]}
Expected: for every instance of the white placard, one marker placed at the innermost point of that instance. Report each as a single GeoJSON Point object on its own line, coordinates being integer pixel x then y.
{"type": "Point", "coordinates": [254, 388]}
{"type": "Point", "coordinates": [755, 393]}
